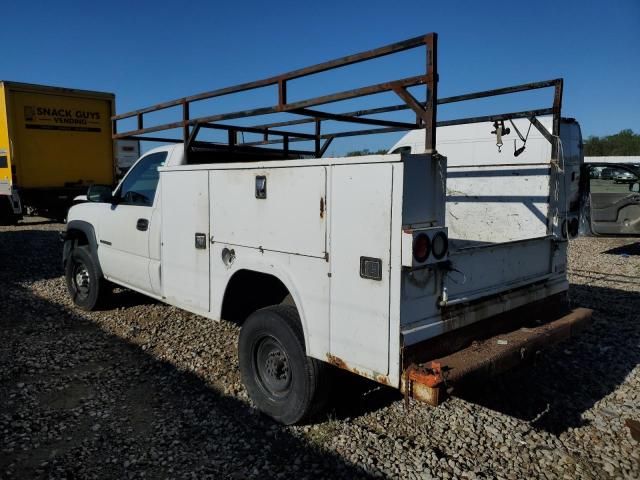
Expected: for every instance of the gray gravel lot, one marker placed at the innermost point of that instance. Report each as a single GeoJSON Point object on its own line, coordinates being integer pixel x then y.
{"type": "Point", "coordinates": [141, 389]}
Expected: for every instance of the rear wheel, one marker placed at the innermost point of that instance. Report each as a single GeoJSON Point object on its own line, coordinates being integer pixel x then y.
{"type": "Point", "coordinates": [281, 380]}
{"type": "Point", "coordinates": [84, 282]}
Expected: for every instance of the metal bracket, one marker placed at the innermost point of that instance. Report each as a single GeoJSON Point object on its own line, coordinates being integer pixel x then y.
{"type": "Point", "coordinates": [541, 128]}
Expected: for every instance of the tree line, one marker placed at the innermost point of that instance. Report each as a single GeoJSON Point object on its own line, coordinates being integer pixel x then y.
{"type": "Point", "coordinates": [620, 144]}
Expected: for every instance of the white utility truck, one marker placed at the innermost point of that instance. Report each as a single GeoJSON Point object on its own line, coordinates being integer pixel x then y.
{"type": "Point", "coordinates": [335, 261]}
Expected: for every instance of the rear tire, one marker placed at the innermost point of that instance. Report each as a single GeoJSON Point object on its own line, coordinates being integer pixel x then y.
{"type": "Point", "coordinates": [85, 284]}
{"type": "Point", "coordinates": [281, 380]}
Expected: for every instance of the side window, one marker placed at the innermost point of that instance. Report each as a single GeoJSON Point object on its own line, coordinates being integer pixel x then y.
{"type": "Point", "coordinates": [613, 179]}
{"type": "Point", "coordinates": [139, 186]}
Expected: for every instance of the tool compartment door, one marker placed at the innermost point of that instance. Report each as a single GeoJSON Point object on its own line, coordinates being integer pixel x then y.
{"type": "Point", "coordinates": [185, 259]}
{"type": "Point", "coordinates": [278, 209]}
{"type": "Point", "coordinates": [360, 212]}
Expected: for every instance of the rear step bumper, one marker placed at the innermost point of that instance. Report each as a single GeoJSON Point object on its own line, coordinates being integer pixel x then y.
{"type": "Point", "coordinates": [433, 380]}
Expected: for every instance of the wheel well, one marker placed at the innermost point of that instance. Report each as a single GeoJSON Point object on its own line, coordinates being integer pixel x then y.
{"type": "Point", "coordinates": [78, 237]}
{"type": "Point", "coordinates": [248, 291]}
{"type": "Point", "coordinates": [73, 239]}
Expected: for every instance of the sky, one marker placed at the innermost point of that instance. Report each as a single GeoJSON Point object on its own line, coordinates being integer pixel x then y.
{"type": "Point", "coordinates": [147, 52]}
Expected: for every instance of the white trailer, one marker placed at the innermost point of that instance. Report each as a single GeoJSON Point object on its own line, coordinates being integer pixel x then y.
{"type": "Point", "coordinates": [618, 159]}
{"type": "Point", "coordinates": [127, 152]}
{"type": "Point", "coordinates": [330, 261]}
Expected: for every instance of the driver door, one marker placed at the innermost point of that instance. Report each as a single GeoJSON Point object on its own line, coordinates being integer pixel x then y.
{"type": "Point", "coordinates": [125, 225]}
{"type": "Point", "coordinates": [614, 199]}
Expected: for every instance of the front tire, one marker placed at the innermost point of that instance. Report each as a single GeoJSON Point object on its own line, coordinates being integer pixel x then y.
{"type": "Point", "coordinates": [85, 284]}
{"type": "Point", "coordinates": [281, 380]}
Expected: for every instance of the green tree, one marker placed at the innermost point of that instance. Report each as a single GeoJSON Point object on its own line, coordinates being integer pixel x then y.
{"type": "Point", "coordinates": [620, 144]}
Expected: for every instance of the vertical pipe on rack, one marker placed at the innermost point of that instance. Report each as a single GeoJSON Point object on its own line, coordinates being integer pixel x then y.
{"type": "Point", "coordinates": [317, 141]}
{"type": "Point", "coordinates": [432, 91]}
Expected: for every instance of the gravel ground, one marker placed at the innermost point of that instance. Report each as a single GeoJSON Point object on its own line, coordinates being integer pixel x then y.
{"type": "Point", "coordinates": [141, 389]}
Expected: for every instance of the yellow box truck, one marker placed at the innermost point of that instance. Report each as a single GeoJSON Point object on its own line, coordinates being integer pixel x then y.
{"type": "Point", "coordinates": [54, 143]}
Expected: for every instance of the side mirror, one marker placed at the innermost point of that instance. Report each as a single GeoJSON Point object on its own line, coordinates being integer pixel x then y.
{"type": "Point", "coordinates": [100, 194]}
{"type": "Point", "coordinates": [634, 187]}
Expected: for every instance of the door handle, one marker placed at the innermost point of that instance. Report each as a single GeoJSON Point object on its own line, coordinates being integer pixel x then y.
{"type": "Point", "coordinates": [201, 241]}
{"type": "Point", "coordinates": [142, 224]}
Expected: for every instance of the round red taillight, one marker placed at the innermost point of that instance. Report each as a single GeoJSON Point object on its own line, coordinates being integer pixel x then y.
{"type": "Point", "coordinates": [421, 247]}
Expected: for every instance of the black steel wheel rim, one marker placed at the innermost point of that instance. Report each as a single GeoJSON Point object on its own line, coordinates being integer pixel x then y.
{"type": "Point", "coordinates": [81, 280]}
{"type": "Point", "coordinates": [272, 367]}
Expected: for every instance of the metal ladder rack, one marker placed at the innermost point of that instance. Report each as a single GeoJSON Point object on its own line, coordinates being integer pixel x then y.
{"type": "Point", "coordinates": [273, 134]}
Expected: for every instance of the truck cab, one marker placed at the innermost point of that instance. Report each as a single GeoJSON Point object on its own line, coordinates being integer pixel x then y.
{"type": "Point", "coordinates": [125, 222]}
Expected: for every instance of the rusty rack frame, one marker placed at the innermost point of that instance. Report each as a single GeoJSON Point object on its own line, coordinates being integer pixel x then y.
{"type": "Point", "coordinates": [272, 133]}
{"type": "Point", "coordinates": [532, 115]}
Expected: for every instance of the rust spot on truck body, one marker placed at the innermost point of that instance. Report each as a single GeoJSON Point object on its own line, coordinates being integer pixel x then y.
{"type": "Point", "coordinates": [341, 364]}
{"type": "Point", "coordinates": [424, 382]}
{"type": "Point", "coordinates": [336, 361]}
{"type": "Point", "coordinates": [429, 374]}
{"type": "Point", "coordinates": [321, 207]}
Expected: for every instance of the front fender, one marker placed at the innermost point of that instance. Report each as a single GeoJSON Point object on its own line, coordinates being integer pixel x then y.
{"type": "Point", "coordinates": [77, 229]}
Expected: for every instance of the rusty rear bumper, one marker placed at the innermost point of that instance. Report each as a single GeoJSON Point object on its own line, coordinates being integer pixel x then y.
{"type": "Point", "coordinates": [433, 380]}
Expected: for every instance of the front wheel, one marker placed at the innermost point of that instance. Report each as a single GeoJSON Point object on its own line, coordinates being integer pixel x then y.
{"type": "Point", "coordinates": [281, 380]}
{"type": "Point", "coordinates": [84, 281]}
